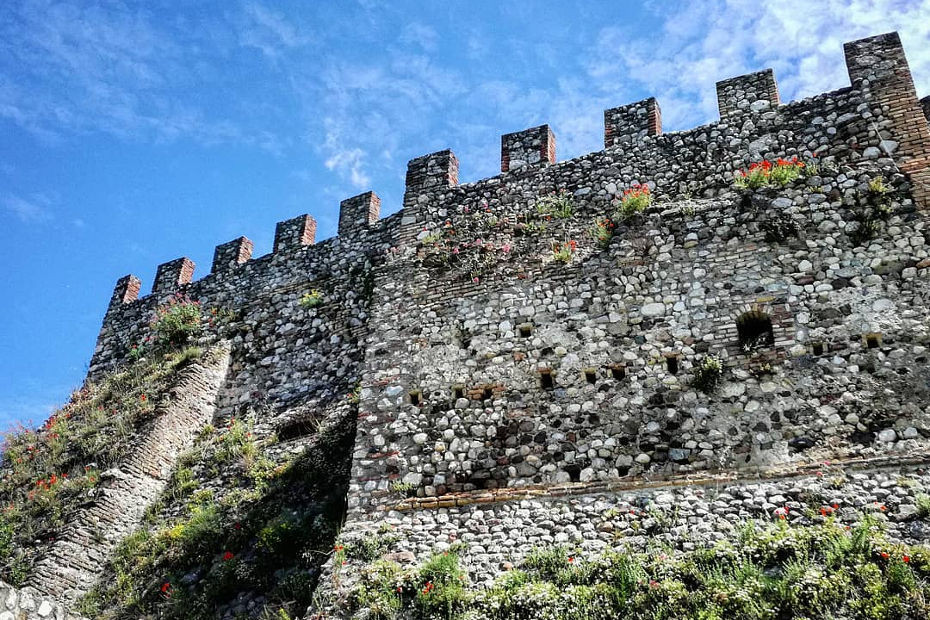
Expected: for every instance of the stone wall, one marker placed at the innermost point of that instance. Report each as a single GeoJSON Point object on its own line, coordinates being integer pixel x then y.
{"type": "Point", "coordinates": [493, 373]}
{"type": "Point", "coordinates": [29, 604]}
{"type": "Point", "coordinates": [71, 565]}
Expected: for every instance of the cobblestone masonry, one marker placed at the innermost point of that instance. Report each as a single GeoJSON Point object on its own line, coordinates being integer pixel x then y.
{"type": "Point", "coordinates": [513, 397]}
{"type": "Point", "coordinates": [70, 567]}
{"type": "Point", "coordinates": [28, 604]}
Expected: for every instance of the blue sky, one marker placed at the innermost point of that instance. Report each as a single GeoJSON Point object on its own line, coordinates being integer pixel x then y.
{"type": "Point", "coordinates": [132, 133]}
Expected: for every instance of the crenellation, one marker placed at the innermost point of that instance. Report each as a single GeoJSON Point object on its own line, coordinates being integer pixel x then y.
{"type": "Point", "coordinates": [171, 276]}
{"type": "Point", "coordinates": [358, 213]}
{"type": "Point", "coordinates": [294, 233]}
{"type": "Point", "coordinates": [530, 147]}
{"type": "Point", "coordinates": [753, 93]}
{"type": "Point", "coordinates": [126, 291]}
{"type": "Point", "coordinates": [428, 172]}
{"type": "Point", "coordinates": [231, 254]}
{"type": "Point", "coordinates": [630, 124]}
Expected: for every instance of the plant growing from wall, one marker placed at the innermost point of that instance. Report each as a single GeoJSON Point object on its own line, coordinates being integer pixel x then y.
{"type": "Point", "coordinates": [634, 200]}
{"type": "Point", "coordinates": [767, 573]}
{"type": "Point", "coordinates": [707, 375]}
{"type": "Point", "coordinates": [603, 231]}
{"type": "Point", "coordinates": [177, 322]}
{"type": "Point", "coordinates": [876, 209]}
{"type": "Point", "coordinates": [766, 174]}
{"type": "Point", "coordinates": [558, 205]}
{"type": "Point", "coordinates": [312, 299]}
{"type": "Point", "coordinates": [564, 252]}
{"type": "Point", "coordinates": [779, 227]}
{"type": "Point", "coordinates": [47, 473]}
{"type": "Point", "coordinates": [471, 247]}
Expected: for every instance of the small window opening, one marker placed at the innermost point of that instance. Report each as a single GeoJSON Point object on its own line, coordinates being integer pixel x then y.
{"type": "Point", "coordinates": [671, 364]}
{"type": "Point", "coordinates": [754, 330]}
{"type": "Point", "coordinates": [818, 348]}
{"type": "Point", "coordinates": [458, 391]}
{"type": "Point", "coordinates": [545, 379]}
{"type": "Point", "coordinates": [873, 341]}
{"type": "Point", "coordinates": [617, 372]}
{"type": "Point", "coordinates": [526, 330]}
{"type": "Point", "coordinates": [590, 375]}
{"type": "Point", "coordinates": [487, 393]}
{"type": "Point", "coordinates": [416, 397]}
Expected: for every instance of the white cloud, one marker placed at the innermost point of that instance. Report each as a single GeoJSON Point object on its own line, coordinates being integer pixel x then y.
{"type": "Point", "coordinates": [34, 211]}
{"type": "Point", "coordinates": [269, 31]}
{"type": "Point", "coordinates": [702, 42]}
{"type": "Point", "coordinates": [419, 34]}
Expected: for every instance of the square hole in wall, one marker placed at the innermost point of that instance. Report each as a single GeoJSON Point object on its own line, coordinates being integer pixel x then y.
{"type": "Point", "coordinates": [590, 375]}
{"type": "Point", "coordinates": [546, 380]}
{"type": "Point", "coordinates": [525, 330]}
{"type": "Point", "coordinates": [618, 371]}
{"type": "Point", "coordinates": [671, 363]}
{"type": "Point", "coordinates": [817, 348]}
{"type": "Point", "coordinates": [873, 340]}
{"type": "Point", "coordinates": [487, 393]}
{"type": "Point", "coordinates": [458, 391]}
{"type": "Point", "coordinates": [415, 396]}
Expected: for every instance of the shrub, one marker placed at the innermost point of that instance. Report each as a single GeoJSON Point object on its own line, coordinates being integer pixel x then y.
{"type": "Point", "coordinates": [707, 375]}
{"type": "Point", "coordinates": [177, 322]}
{"type": "Point", "coordinates": [766, 174]}
{"type": "Point", "coordinates": [558, 205]}
{"type": "Point", "coordinates": [603, 231]}
{"type": "Point", "coordinates": [634, 200]}
{"type": "Point", "coordinates": [564, 252]}
{"type": "Point", "coordinates": [312, 299]}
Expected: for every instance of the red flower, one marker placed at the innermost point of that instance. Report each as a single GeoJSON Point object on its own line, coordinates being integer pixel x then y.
{"type": "Point", "coordinates": [884, 555]}
{"type": "Point", "coordinates": [228, 556]}
{"type": "Point", "coordinates": [906, 559]}
{"type": "Point", "coordinates": [570, 559]}
{"type": "Point", "coordinates": [166, 589]}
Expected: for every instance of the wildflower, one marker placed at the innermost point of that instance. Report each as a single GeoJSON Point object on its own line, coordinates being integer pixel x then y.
{"type": "Point", "coordinates": [142, 398]}
{"type": "Point", "coordinates": [571, 559]}
{"type": "Point", "coordinates": [166, 589]}
{"type": "Point", "coordinates": [905, 558]}
{"type": "Point", "coordinates": [884, 555]}
{"type": "Point", "coordinates": [475, 279]}
{"type": "Point", "coordinates": [228, 556]}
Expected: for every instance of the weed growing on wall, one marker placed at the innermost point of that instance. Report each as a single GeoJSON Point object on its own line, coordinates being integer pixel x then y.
{"type": "Point", "coordinates": [778, 571]}
{"type": "Point", "coordinates": [768, 174]}
{"type": "Point", "coordinates": [634, 200]}
{"type": "Point", "coordinates": [312, 299]}
{"type": "Point", "coordinates": [46, 474]}
{"type": "Point", "coordinates": [707, 375]}
{"type": "Point", "coordinates": [177, 322]}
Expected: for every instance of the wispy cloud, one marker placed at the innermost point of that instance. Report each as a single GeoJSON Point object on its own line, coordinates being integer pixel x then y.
{"type": "Point", "coordinates": [269, 31]}
{"type": "Point", "coordinates": [32, 211]}
{"type": "Point", "coordinates": [702, 42]}
{"type": "Point", "coordinates": [70, 68]}
{"type": "Point", "coordinates": [420, 35]}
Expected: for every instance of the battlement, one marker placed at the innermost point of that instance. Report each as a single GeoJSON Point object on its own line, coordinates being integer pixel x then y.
{"type": "Point", "coordinates": [633, 141]}
{"type": "Point", "coordinates": [532, 336]}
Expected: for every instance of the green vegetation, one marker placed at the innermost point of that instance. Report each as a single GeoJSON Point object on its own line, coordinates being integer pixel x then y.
{"type": "Point", "coordinates": [178, 322]}
{"type": "Point", "coordinates": [263, 526]}
{"type": "Point", "coordinates": [559, 205]}
{"type": "Point", "coordinates": [634, 200]}
{"type": "Point", "coordinates": [47, 473]}
{"type": "Point", "coordinates": [706, 375]}
{"type": "Point", "coordinates": [312, 299]}
{"type": "Point", "coordinates": [773, 572]}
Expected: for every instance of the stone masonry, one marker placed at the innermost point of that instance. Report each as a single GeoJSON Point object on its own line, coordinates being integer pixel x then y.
{"type": "Point", "coordinates": [72, 564]}
{"type": "Point", "coordinates": [508, 399]}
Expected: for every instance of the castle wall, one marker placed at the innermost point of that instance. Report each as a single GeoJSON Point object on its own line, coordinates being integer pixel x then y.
{"type": "Point", "coordinates": [492, 373]}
